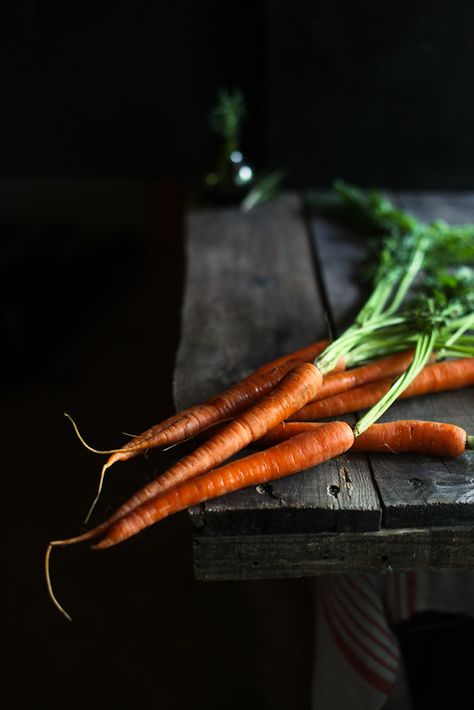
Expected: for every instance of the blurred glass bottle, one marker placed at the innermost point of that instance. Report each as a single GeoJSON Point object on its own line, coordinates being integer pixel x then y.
{"type": "Point", "coordinates": [232, 176]}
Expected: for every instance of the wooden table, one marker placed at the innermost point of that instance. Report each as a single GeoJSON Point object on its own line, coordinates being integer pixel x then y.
{"type": "Point", "coordinates": [259, 285]}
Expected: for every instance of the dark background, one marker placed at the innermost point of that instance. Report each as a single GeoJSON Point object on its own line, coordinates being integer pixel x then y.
{"type": "Point", "coordinates": [376, 92]}
{"type": "Point", "coordinates": [103, 133]}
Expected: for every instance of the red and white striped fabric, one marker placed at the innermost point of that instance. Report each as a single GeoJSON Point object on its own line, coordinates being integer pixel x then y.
{"type": "Point", "coordinates": [357, 652]}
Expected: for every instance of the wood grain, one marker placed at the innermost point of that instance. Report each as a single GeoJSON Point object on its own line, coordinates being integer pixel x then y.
{"type": "Point", "coordinates": [249, 296]}
{"type": "Point", "coordinates": [382, 551]}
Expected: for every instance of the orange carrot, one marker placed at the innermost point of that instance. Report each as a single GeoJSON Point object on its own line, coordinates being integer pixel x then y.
{"type": "Point", "coordinates": [390, 366]}
{"type": "Point", "coordinates": [300, 385]}
{"type": "Point", "coordinates": [403, 436]}
{"type": "Point", "coordinates": [289, 457]}
{"type": "Point", "coordinates": [450, 374]}
{"type": "Point", "coordinates": [296, 454]}
{"type": "Point", "coordinates": [413, 436]}
{"type": "Point", "coordinates": [200, 417]}
{"type": "Point", "coordinates": [307, 354]}
{"type": "Point", "coordinates": [285, 430]}
{"type": "Point", "coordinates": [301, 445]}
{"type": "Point", "coordinates": [342, 381]}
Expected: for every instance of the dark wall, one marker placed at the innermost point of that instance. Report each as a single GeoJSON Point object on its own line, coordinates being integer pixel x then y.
{"type": "Point", "coordinates": [119, 88]}
{"type": "Point", "coordinates": [374, 92]}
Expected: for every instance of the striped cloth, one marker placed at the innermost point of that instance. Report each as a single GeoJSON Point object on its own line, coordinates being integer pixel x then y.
{"type": "Point", "coordinates": [357, 652]}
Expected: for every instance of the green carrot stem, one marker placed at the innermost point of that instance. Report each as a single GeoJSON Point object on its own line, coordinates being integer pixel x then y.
{"type": "Point", "coordinates": [468, 323]}
{"type": "Point", "coordinates": [423, 351]}
{"type": "Point", "coordinates": [377, 299]}
{"type": "Point", "coordinates": [454, 352]}
{"type": "Point", "coordinates": [353, 336]}
{"type": "Point", "coordinates": [409, 276]}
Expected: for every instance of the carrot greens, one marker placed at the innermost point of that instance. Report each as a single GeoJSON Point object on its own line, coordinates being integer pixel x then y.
{"type": "Point", "coordinates": [445, 301]}
{"type": "Point", "coordinates": [406, 249]}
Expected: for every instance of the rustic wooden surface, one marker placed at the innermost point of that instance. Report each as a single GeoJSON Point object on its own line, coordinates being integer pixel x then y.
{"type": "Point", "coordinates": [302, 555]}
{"type": "Point", "coordinates": [267, 282]}
{"type": "Point", "coordinates": [251, 296]}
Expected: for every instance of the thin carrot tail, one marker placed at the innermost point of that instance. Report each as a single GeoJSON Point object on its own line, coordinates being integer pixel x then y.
{"type": "Point", "coordinates": [91, 448]}
{"type": "Point", "coordinates": [114, 452]}
{"type": "Point", "coordinates": [83, 537]}
{"type": "Point", "coordinates": [49, 585]}
{"type": "Point", "coordinates": [99, 491]}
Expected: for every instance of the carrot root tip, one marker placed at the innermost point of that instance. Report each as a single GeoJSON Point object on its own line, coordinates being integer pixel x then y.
{"type": "Point", "coordinates": [49, 585]}
{"type": "Point", "coordinates": [99, 451]}
{"type": "Point", "coordinates": [99, 491]}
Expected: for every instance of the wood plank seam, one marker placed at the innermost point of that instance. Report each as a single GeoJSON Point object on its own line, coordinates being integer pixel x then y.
{"type": "Point", "coordinates": [334, 327]}
{"type": "Point", "coordinates": [316, 267]}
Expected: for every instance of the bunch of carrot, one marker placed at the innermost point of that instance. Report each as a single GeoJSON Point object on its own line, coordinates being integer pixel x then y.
{"type": "Point", "coordinates": [305, 385]}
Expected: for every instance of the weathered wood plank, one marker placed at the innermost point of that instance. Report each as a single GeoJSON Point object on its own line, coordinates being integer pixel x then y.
{"type": "Point", "coordinates": [454, 207]}
{"type": "Point", "coordinates": [428, 491]}
{"type": "Point", "coordinates": [251, 295]}
{"type": "Point", "coordinates": [341, 252]}
{"type": "Point", "coordinates": [335, 496]}
{"type": "Point", "coordinates": [257, 535]}
{"type": "Point", "coordinates": [266, 556]}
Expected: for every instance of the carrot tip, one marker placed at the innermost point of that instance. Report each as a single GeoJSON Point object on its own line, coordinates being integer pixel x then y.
{"type": "Point", "coordinates": [91, 448]}
{"type": "Point", "coordinates": [99, 491]}
{"type": "Point", "coordinates": [48, 582]}
{"type": "Point", "coordinates": [81, 438]}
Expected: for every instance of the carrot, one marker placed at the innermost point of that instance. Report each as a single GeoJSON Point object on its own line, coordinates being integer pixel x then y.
{"type": "Point", "coordinates": [392, 365]}
{"type": "Point", "coordinates": [341, 381]}
{"type": "Point", "coordinates": [308, 353]}
{"type": "Point", "coordinates": [289, 457]}
{"type": "Point", "coordinates": [403, 436]}
{"type": "Point", "coordinates": [88, 535]}
{"type": "Point", "coordinates": [350, 401]}
{"type": "Point", "coordinates": [300, 446]}
{"type": "Point", "coordinates": [413, 436]}
{"type": "Point", "coordinates": [296, 454]}
{"type": "Point", "coordinates": [447, 375]}
{"type": "Point", "coordinates": [285, 430]}
{"type": "Point", "coordinates": [197, 418]}
{"type": "Point", "coordinates": [298, 386]}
